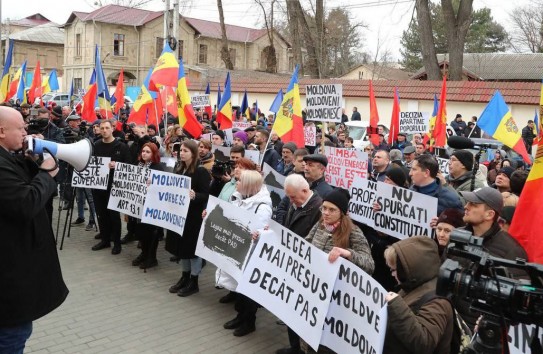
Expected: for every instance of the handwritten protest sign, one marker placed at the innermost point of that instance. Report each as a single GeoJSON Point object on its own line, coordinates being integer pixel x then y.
{"type": "Point", "coordinates": [167, 201]}
{"type": "Point", "coordinates": [200, 100]}
{"type": "Point", "coordinates": [275, 182]}
{"type": "Point", "coordinates": [95, 176]}
{"type": "Point", "coordinates": [310, 136]}
{"type": "Point", "coordinates": [414, 122]}
{"type": "Point", "coordinates": [520, 336]}
{"type": "Point", "coordinates": [403, 213]}
{"type": "Point", "coordinates": [241, 125]}
{"type": "Point", "coordinates": [291, 278]}
{"type": "Point", "coordinates": [357, 317]}
{"type": "Point", "coordinates": [344, 165]}
{"type": "Point", "coordinates": [225, 236]}
{"type": "Point", "coordinates": [129, 189]}
{"type": "Point", "coordinates": [324, 102]}
{"type": "Point", "coordinates": [443, 165]}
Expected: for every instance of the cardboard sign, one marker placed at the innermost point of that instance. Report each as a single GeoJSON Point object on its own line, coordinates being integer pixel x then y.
{"type": "Point", "coordinates": [129, 189]}
{"type": "Point", "coordinates": [357, 317]}
{"type": "Point", "coordinates": [95, 176]}
{"type": "Point", "coordinates": [520, 336]}
{"type": "Point", "coordinates": [344, 165]}
{"type": "Point", "coordinates": [167, 201]}
{"type": "Point", "coordinates": [414, 122]}
{"type": "Point", "coordinates": [291, 278]}
{"type": "Point", "coordinates": [323, 103]}
{"type": "Point", "coordinates": [275, 182]}
{"type": "Point", "coordinates": [443, 165]}
{"type": "Point", "coordinates": [225, 236]}
{"type": "Point", "coordinates": [310, 136]}
{"type": "Point", "coordinates": [200, 101]}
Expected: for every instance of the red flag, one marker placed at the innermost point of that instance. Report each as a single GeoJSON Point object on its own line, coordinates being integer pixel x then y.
{"type": "Point", "coordinates": [87, 112]}
{"type": "Point", "coordinates": [440, 129]}
{"type": "Point", "coordinates": [169, 100]}
{"type": "Point", "coordinates": [187, 118]}
{"type": "Point", "coordinates": [395, 119]}
{"type": "Point", "coordinates": [374, 117]}
{"type": "Point", "coordinates": [119, 93]}
{"type": "Point", "coordinates": [35, 89]}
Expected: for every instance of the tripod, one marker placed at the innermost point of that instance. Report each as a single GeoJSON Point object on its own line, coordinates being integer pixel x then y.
{"type": "Point", "coordinates": [490, 337]}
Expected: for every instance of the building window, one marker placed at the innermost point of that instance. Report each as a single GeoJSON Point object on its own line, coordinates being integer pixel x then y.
{"type": "Point", "coordinates": [78, 84]}
{"type": "Point", "coordinates": [232, 52]}
{"type": "Point", "coordinates": [202, 54]}
{"type": "Point", "coordinates": [180, 49]}
{"type": "Point", "coordinates": [159, 46]}
{"type": "Point", "coordinates": [118, 44]}
{"type": "Point", "coordinates": [78, 45]}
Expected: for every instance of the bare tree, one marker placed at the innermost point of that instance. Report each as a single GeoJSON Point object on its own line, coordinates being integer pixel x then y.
{"type": "Point", "coordinates": [312, 66]}
{"type": "Point", "coordinates": [271, 57]}
{"type": "Point", "coordinates": [428, 46]}
{"type": "Point", "coordinates": [225, 53]}
{"type": "Point", "coordinates": [457, 25]}
{"type": "Point", "coordinates": [527, 31]}
{"type": "Point", "coordinates": [294, 31]}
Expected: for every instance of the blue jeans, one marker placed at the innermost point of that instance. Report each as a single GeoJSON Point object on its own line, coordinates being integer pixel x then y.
{"type": "Point", "coordinates": [85, 195]}
{"type": "Point", "coordinates": [193, 265]}
{"type": "Point", "coordinates": [13, 339]}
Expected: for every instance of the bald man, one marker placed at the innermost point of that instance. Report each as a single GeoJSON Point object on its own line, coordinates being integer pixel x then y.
{"type": "Point", "coordinates": [32, 284]}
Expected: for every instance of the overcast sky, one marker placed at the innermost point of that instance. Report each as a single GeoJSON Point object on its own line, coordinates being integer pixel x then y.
{"type": "Point", "coordinates": [386, 19]}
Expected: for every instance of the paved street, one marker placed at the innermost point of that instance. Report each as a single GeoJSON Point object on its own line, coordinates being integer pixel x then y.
{"type": "Point", "coordinates": [116, 308]}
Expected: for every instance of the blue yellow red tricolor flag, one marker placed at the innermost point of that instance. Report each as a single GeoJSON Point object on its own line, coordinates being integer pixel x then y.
{"type": "Point", "coordinates": [428, 136]}
{"type": "Point", "coordinates": [102, 90]}
{"type": "Point", "coordinates": [245, 110]}
{"type": "Point", "coordinates": [14, 84]}
{"type": "Point", "coordinates": [224, 115]}
{"type": "Point", "coordinates": [497, 121]}
{"type": "Point", "coordinates": [143, 103]}
{"type": "Point", "coordinates": [187, 118]}
{"type": "Point", "coordinates": [289, 123]}
{"type": "Point", "coordinates": [165, 71]}
{"type": "Point", "coordinates": [50, 83]}
{"type": "Point", "coordinates": [276, 104]}
{"type": "Point", "coordinates": [4, 83]}
{"type": "Point", "coordinates": [439, 133]}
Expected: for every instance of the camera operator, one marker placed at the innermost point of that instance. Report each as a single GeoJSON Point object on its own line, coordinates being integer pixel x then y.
{"type": "Point", "coordinates": [221, 170]}
{"type": "Point", "coordinates": [482, 210]}
{"type": "Point", "coordinates": [25, 112]}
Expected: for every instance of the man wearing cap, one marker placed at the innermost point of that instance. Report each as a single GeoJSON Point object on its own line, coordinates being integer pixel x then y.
{"type": "Point", "coordinates": [503, 179]}
{"type": "Point", "coordinates": [251, 132]}
{"type": "Point", "coordinates": [461, 172]}
{"type": "Point", "coordinates": [285, 165]}
{"type": "Point", "coordinates": [218, 138]}
{"type": "Point", "coordinates": [315, 166]}
{"type": "Point", "coordinates": [409, 156]}
{"type": "Point", "coordinates": [56, 117]}
{"type": "Point", "coordinates": [401, 142]}
{"type": "Point", "coordinates": [482, 211]}
{"type": "Point", "coordinates": [240, 138]}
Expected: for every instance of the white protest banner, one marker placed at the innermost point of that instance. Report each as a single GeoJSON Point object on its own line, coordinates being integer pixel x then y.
{"type": "Point", "coordinates": [129, 189]}
{"type": "Point", "coordinates": [167, 201]}
{"type": "Point", "coordinates": [253, 155]}
{"type": "Point", "coordinates": [241, 125]}
{"type": "Point", "coordinates": [323, 103]}
{"type": "Point", "coordinates": [357, 316]}
{"type": "Point", "coordinates": [168, 161]}
{"type": "Point", "coordinates": [228, 136]}
{"type": "Point", "coordinates": [520, 337]}
{"type": "Point", "coordinates": [310, 135]}
{"type": "Point", "coordinates": [275, 182]}
{"type": "Point", "coordinates": [225, 236]}
{"type": "Point", "coordinates": [403, 213]}
{"type": "Point", "coordinates": [363, 194]}
{"type": "Point", "coordinates": [95, 176]}
{"type": "Point", "coordinates": [207, 136]}
{"type": "Point", "coordinates": [291, 278]}
{"type": "Point", "coordinates": [344, 165]}
{"type": "Point", "coordinates": [443, 165]}
{"type": "Point", "coordinates": [200, 101]}
{"type": "Point", "coordinates": [414, 122]}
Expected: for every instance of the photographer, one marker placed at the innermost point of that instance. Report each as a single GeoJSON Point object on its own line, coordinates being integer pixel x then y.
{"type": "Point", "coordinates": [222, 170]}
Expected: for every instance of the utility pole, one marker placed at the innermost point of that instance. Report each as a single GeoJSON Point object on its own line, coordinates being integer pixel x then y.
{"type": "Point", "coordinates": [166, 20]}
{"type": "Point", "coordinates": [175, 29]}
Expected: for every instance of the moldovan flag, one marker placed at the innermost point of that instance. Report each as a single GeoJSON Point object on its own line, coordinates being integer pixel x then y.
{"type": "Point", "coordinates": [539, 122]}
{"type": "Point", "coordinates": [17, 79]}
{"type": "Point", "coordinates": [169, 100]}
{"type": "Point", "coordinates": [208, 108]}
{"type": "Point", "coordinates": [440, 127]}
{"type": "Point", "coordinates": [224, 116]}
{"type": "Point", "coordinates": [374, 117]}
{"type": "Point", "coordinates": [87, 112]}
{"type": "Point", "coordinates": [288, 123]}
{"type": "Point", "coordinates": [526, 225]}
{"type": "Point", "coordinates": [118, 96]}
{"type": "Point", "coordinates": [395, 119]}
{"type": "Point", "coordinates": [428, 136]}
{"type": "Point", "coordinates": [497, 121]}
{"type": "Point", "coordinates": [4, 84]}
{"type": "Point", "coordinates": [165, 70]}
{"type": "Point", "coordinates": [35, 89]}
{"type": "Point", "coordinates": [21, 93]}
{"type": "Point", "coordinates": [245, 111]}
{"type": "Point", "coordinates": [187, 118]}
{"type": "Point", "coordinates": [276, 104]}
{"type": "Point", "coordinates": [50, 83]}
{"type": "Point", "coordinates": [143, 103]}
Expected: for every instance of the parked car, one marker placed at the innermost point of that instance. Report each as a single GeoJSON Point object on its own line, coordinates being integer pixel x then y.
{"type": "Point", "coordinates": [358, 130]}
{"type": "Point", "coordinates": [59, 98]}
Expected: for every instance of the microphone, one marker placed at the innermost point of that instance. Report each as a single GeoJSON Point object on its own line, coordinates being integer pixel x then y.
{"type": "Point", "coordinates": [460, 142]}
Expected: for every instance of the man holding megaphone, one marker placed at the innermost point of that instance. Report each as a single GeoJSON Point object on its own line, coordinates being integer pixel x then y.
{"type": "Point", "coordinates": [32, 284]}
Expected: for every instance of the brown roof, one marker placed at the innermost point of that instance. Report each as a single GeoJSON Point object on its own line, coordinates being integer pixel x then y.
{"type": "Point", "coordinates": [30, 21]}
{"type": "Point", "coordinates": [120, 15]}
{"type": "Point", "coordinates": [461, 91]}
{"type": "Point", "coordinates": [234, 33]}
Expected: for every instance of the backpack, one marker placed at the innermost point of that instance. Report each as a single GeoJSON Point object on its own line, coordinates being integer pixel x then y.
{"type": "Point", "coordinates": [461, 336]}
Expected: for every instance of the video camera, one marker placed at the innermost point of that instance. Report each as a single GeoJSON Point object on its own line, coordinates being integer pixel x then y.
{"type": "Point", "coordinates": [518, 301]}
{"type": "Point", "coordinates": [37, 126]}
{"type": "Point", "coordinates": [221, 168]}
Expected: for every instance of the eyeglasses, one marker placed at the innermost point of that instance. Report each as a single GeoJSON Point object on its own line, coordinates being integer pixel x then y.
{"type": "Point", "coordinates": [326, 210]}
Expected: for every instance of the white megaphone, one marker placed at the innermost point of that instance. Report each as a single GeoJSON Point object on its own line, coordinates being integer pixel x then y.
{"type": "Point", "coordinates": [78, 154]}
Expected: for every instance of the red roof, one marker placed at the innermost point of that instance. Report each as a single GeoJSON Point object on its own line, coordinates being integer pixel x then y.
{"type": "Point", "coordinates": [31, 21]}
{"type": "Point", "coordinates": [120, 15]}
{"type": "Point", "coordinates": [234, 33]}
{"type": "Point", "coordinates": [461, 91]}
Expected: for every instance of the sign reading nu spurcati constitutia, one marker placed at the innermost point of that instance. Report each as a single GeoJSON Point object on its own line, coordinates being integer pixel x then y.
{"type": "Point", "coordinates": [323, 103]}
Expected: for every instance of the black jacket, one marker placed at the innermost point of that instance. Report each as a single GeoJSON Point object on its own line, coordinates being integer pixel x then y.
{"type": "Point", "coordinates": [30, 276]}
{"type": "Point", "coordinates": [301, 221]}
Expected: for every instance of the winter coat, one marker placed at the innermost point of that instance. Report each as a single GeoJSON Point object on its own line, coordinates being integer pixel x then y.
{"type": "Point", "coordinates": [463, 184]}
{"type": "Point", "coordinates": [32, 284]}
{"type": "Point", "coordinates": [227, 190]}
{"type": "Point", "coordinates": [321, 187]}
{"type": "Point", "coordinates": [260, 203]}
{"type": "Point", "coordinates": [446, 196]}
{"type": "Point", "coordinates": [430, 330]}
{"type": "Point", "coordinates": [459, 127]}
{"type": "Point", "coordinates": [208, 161]}
{"type": "Point", "coordinates": [185, 246]}
{"type": "Point", "coordinates": [270, 156]}
{"type": "Point", "coordinates": [301, 221]}
{"type": "Point", "coordinates": [401, 146]}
